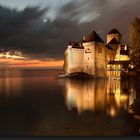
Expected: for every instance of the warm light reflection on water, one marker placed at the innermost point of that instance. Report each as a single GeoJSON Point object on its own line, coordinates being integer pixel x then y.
{"type": "Point", "coordinates": [37, 103]}
{"type": "Point", "coordinates": [10, 84]}
{"type": "Point", "coordinates": [108, 96]}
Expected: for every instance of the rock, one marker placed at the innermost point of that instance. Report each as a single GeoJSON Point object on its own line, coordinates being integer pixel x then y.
{"type": "Point", "coordinates": [79, 76]}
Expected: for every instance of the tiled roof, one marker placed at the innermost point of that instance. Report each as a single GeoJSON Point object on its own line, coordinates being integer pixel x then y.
{"type": "Point", "coordinates": [70, 43]}
{"type": "Point", "coordinates": [77, 45]}
{"type": "Point", "coordinates": [113, 42]}
{"type": "Point", "coordinates": [109, 47]}
{"type": "Point", "coordinates": [93, 37]}
{"type": "Point", "coordinates": [114, 31]}
{"type": "Point", "coordinates": [119, 62]}
{"type": "Point", "coordinates": [123, 51]}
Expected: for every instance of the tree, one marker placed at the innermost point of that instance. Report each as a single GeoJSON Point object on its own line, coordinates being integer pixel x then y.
{"type": "Point", "coordinates": [134, 38]}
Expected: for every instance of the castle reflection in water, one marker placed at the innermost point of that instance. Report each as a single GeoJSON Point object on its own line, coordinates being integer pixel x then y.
{"type": "Point", "coordinates": [108, 96]}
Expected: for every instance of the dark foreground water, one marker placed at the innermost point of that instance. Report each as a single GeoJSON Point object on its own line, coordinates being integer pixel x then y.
{"type": "Point", "coordinates": [36, 103]}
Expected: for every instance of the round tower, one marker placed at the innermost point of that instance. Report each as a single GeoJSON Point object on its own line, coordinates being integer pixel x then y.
{"type": "Point", "coordinates": [114, 33]}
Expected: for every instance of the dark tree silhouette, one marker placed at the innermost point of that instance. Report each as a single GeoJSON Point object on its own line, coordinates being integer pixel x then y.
{"type": "Point", "coordinates": [134, 38]}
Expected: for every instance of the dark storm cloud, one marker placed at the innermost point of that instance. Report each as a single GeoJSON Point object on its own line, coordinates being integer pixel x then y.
{"type": "Point", "coordinates": [103, 15]}
{"type": "Point", "coordinates": [117, 14]}
{"type": "Point", "coordinates": [77, 18]}
{"type": "Point", "coordinates": [16, 30]}
{"type": "Point", "coordinates": [25, 29]}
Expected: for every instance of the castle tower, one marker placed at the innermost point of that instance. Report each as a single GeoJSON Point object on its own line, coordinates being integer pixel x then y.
{"type": "Point", "coordinates": [95, 55]}
{"type": "Point", "coordinates": [73, 58]}
{"type": "Point", "coordinates": [114, 33]}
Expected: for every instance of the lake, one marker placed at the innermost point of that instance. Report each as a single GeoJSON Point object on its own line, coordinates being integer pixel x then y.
{"type": "Point", "coordinates": [34, 102]}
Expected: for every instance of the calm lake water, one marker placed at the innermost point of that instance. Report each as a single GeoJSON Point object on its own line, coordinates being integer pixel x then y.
{"type": "Point", "coordinates": [36, 103]}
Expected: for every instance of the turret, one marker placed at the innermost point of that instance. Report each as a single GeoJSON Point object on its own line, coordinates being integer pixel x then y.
{"type": "Point", "coordinates": [114, 33]}
{"type": "Point", "coordinates": [69, 45]}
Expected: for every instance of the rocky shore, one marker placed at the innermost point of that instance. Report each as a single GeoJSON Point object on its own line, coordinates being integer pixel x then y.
{"type": "Point", "coordinates": [79, 76]}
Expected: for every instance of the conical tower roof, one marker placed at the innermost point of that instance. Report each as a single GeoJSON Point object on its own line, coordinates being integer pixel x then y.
{"type": "Point", "coordinates": [93, 37]}
{"type": "Point", "coordinates": [114, 41]}
{"type": "Point", "coordinates": [114, 31]}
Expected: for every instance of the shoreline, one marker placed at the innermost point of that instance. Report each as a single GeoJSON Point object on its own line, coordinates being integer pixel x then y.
{"type": "Point", "coordinates": [80, 76]}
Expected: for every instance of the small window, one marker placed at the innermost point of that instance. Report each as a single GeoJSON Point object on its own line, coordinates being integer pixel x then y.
{"type": "Point", "coordinates": [87, 50]}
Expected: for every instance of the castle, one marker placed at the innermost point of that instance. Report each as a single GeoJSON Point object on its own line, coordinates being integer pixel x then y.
{"type": "Point", "coordinates": [95, 57]}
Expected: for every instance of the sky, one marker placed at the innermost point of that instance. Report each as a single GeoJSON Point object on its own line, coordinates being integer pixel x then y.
{"type": "Point", "coordinates": [41, 29]}
{"type": "Point", "coordinates": [21, 4]}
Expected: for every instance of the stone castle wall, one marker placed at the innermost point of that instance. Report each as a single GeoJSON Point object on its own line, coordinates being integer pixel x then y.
{"type": "Point", "coordinates": [74, 60]}
{"type": "Point", "coordinates": [89, 58]}
{"type": "Point", "coordinates": [101, 59]}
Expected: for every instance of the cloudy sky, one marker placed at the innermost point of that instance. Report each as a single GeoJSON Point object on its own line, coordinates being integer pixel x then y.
{"type": "Point", "coordinates": [40, 29]}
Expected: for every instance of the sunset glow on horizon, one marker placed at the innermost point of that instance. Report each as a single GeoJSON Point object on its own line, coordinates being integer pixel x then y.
{"type": "Point", "coordinates": [11, 63]}
{"type": "Point", "coordinates": [15, 59]}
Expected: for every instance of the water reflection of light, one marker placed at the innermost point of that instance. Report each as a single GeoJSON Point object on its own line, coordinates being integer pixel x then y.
{"type": "Point", "coordinates": [112, 112]}
{"type": "Point", "coordinates": [97, 95]}
{"type": "Point", "coordinates": [132, 96]}
{"type": "Point", "coordinates": [79, 96]}
{"type": "Point", "coordinates": [10, 83]}
{"type": "Point", "coordinates": [7, 86]}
